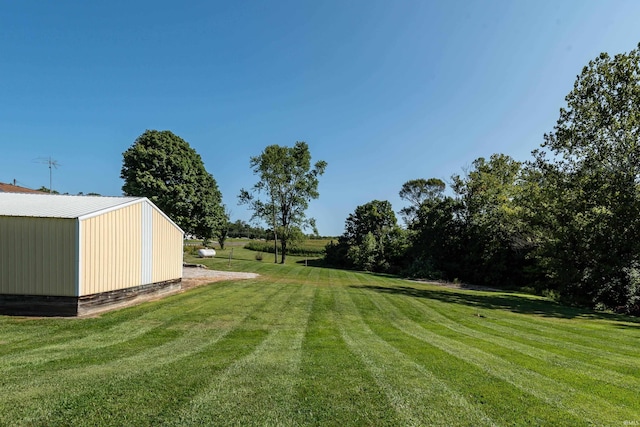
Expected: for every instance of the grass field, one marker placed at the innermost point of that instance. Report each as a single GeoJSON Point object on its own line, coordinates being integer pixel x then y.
{"type": "Point", "coordinates": [315, 346]}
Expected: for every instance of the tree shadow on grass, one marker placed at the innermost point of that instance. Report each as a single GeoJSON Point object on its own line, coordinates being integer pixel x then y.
{"type": "Point", "coordinates": [498, 300]}
{"type": "Point", "coordinates": [314, 262]}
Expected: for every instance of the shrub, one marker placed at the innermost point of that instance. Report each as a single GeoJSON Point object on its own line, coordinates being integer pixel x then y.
{"type": "Point", "coordinates": [423, 269]}
{"type": "Point", "coordinates": [192, 249]}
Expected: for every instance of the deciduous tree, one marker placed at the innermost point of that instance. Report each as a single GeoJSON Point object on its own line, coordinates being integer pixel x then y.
{"type": "Point", "coordinates": [287, 184]}
{"type": "Point", "coordinates": [497, 240]}
{"type": "Point", "coordinates": [164, 168]}
{"type": "Point", "coordinates": [373, 237]}
{"type": "Point", "coordinates": [416, 192]}
{"type": "Point", "coordinates": [589, 168]}
{"type": "Point", "coordinates": [223, 231]}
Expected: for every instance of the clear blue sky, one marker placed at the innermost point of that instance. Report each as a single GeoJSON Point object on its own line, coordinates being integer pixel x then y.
{"type": "Point", "coordinates": [384, 91]}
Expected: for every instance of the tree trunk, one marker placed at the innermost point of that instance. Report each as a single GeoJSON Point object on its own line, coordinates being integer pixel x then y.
{"type": "Point", "coordinates": [275, 245]}
{"type": "Point", "coordinates": [284, 250]}
{"type": "Point", "coordinates": [275, 235]}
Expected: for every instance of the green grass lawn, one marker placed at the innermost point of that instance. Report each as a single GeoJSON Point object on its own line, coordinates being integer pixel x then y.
{"type": "Point", "coordinates": [315, 346]}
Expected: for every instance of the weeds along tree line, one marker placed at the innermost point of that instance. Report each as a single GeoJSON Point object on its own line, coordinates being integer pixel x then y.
{"type": "Point", "coordinates": [566, 221]}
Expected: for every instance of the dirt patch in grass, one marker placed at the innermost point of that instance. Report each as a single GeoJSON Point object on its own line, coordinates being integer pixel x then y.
{"type": "Point", "coordinates": [453, 285]}
{"type": "Point", "coordinates": [197, 276]}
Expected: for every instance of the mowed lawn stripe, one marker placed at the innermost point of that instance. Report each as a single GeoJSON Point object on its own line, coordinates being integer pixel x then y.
{"type": "Point", "coordinates": [314, 346]}
{"type": "Point", "coordinates": [567, 323]}
{"type": "Point", "coordinates": [417, 395]}
{"type": "Point", "coordinates": [138, 318]}
{"type": "Point", "coordinates": [581, 329]}
{"type": "Point", "coordinates": [597, 351]}
{"type": "Point", "coordinates": [617, 355]}
{"type": "Point", "coordinates": [116, 337]}
{"type": "Point", "coordinates": [499, 399]}
{"type": "Point", "coordinates": [146, 396]}
{"type": "Point", "coordinates": [262, 384]}
{"type": "Point", "coordinates": [84, 336]}
{"type": "Point", "coordinates": [49, 387]}
{"type": "Point", "coordinates": [334, 384]}
{"type": "Point", "coordinates": [561, 359]}
{"type": "Point", "coordinates": [573, 402]}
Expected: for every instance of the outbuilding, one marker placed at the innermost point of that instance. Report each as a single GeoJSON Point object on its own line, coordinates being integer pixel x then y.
{"type": "Point", "coordinates": [70, 255]}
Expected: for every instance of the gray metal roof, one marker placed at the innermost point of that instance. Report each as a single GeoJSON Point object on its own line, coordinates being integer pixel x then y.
{"type": "Point", "coordinates": [59, 206]}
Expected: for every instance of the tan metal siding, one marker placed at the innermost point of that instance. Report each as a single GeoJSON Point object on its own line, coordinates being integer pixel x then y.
{"type": "Point", "coordinates": [111, 248]}
{"type": "Point", "coordinates": [167, 249]}
{"type": "Point", "coordinates": [37, 256]}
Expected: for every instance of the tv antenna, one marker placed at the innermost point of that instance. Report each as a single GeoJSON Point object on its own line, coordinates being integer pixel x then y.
{"type": "Point", "coordinates": [52, 164]}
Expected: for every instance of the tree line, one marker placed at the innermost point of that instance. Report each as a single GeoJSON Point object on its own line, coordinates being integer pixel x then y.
{"type": "Point", "coordinates": [565, 221]}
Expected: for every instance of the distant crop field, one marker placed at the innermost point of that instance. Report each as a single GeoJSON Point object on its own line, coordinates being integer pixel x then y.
{"type": "Point", "coordinates": [317, 346]}
{"type": "Point", "coordinates": [214, 243]}
{"type": "Point", "coordinates": [313, 244]}
{"type": "Point", "coordinates": [310, 247]}
{"type": "Point", "coordinates": [319, 243]}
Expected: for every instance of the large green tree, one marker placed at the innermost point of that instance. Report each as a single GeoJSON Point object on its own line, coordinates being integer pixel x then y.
{"type": "Point", "coordinates": [479, 236]}
{"type": "Point", "coordinates": [376, 217]}
{"type": "Point", "coordinates": [418, 191]}
{"type": "Point", "coordinates": [287, 184]}
{"type": "Point", "coordinates": [164, 168]}
{"type": "Point", "coordinates": [438, 241]}
{"type": "Point", "coordinates": [497, 238]}
{"type": "Point", "coordinates": [372, 237]}
{"type": "Point", "coordinates": [588, 176]}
